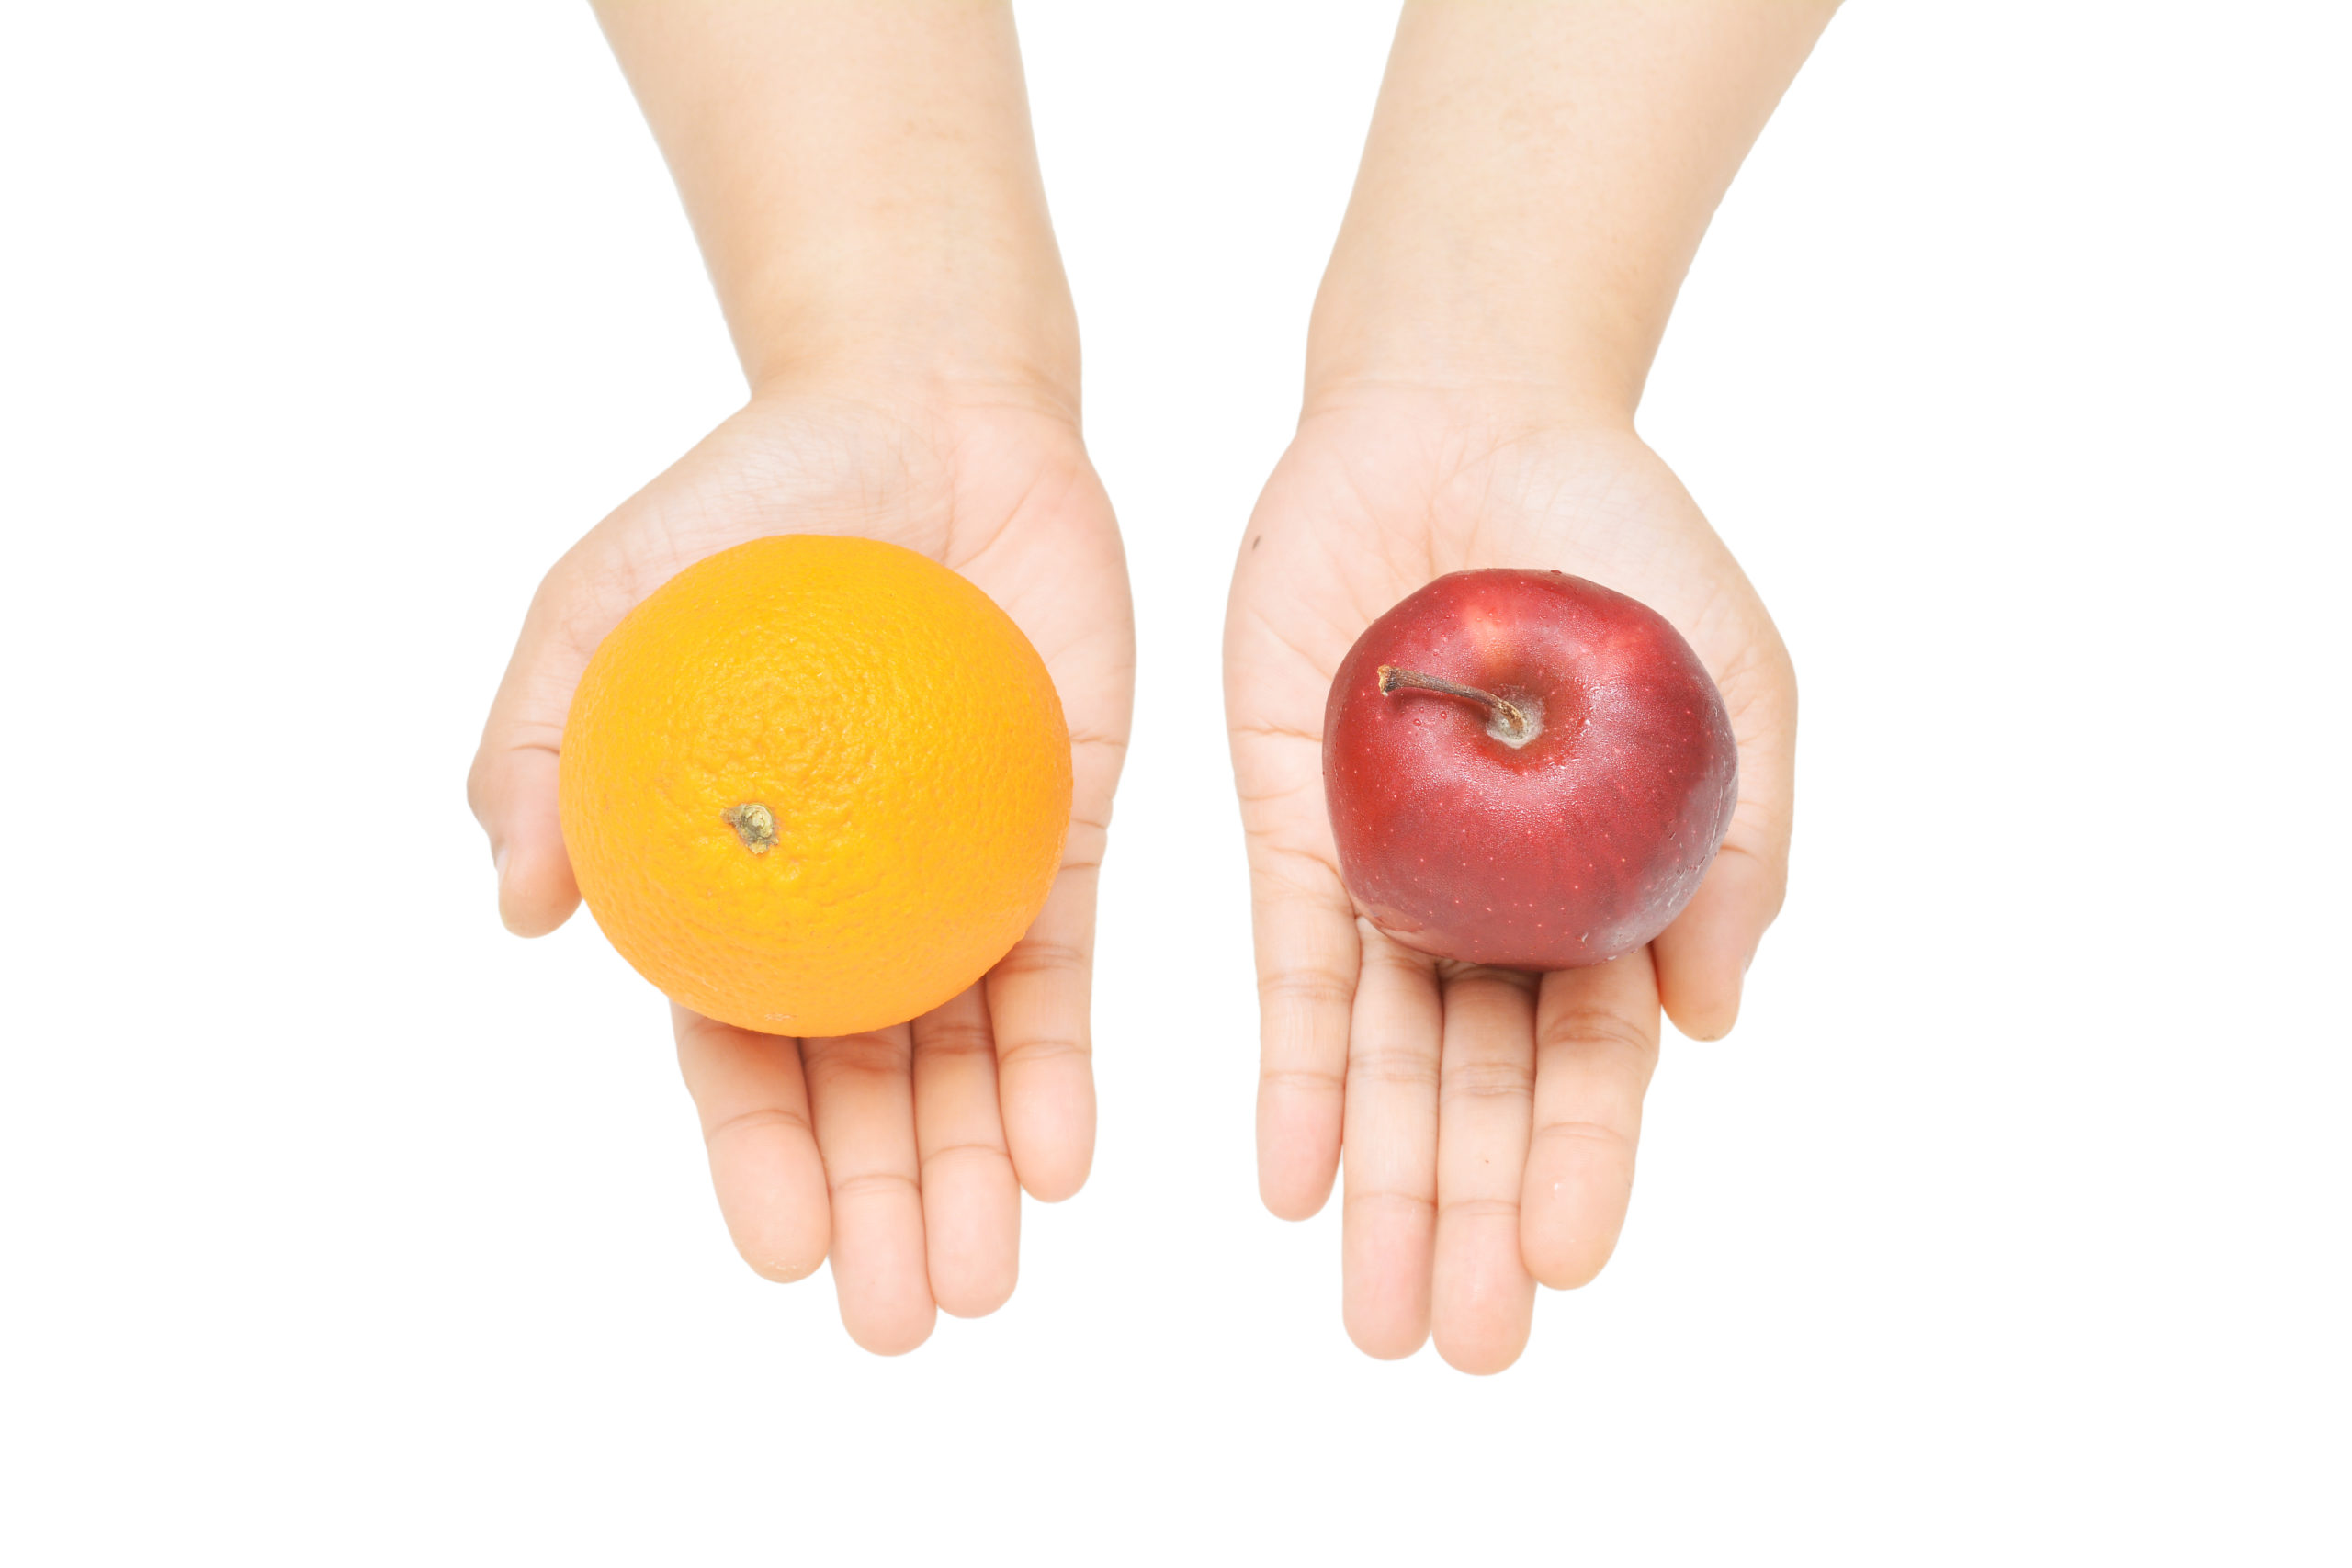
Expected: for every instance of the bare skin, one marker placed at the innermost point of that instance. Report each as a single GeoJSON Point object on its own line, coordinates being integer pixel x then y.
{"type": "Point", "coordinates": [862, 181]}
{"type": "Point", "coordinates": [865, 189]}
{"type": "Point", "coordinates": [1535, 183]}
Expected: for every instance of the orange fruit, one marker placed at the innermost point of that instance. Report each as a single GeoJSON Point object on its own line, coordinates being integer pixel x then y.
{"type": "Point", "coordinates": [815, 786]}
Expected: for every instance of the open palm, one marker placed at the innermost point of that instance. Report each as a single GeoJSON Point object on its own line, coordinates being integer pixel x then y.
{"type": "Point", "coordinates": [901, 1153]}
{"type": "Point", "coordinates": [1488, 1117]}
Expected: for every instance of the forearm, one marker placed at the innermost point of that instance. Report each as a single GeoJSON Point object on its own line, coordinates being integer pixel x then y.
{"type": "Point", "coordinates": [1535, 183]}
{"type": "Point", "coordinates": [864, 186]}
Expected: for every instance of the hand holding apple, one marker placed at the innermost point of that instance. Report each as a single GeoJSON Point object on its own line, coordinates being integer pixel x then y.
{"type": "Point", "coordinates": [1488, 1113]}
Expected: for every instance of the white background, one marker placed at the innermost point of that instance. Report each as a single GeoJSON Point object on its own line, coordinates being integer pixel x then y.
{"type": "Point", "coordinates": [2010, 1226]}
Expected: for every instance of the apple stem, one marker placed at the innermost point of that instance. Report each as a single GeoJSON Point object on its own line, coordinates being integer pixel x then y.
{"type": "Point", "coordinates": [1506, 721]}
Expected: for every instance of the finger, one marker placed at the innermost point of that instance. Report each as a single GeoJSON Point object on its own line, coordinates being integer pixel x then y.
{"type": "Point", "coordinates": [1039, 996]}
{"type": "Point", "coordinates": [1308, 957]}
{"type": "Point", "coordinates": [512, 786]}
{"type": "Point", "coordinates": [1596, 1045]}
{"type": "Point", "coordinates": [1482, 1298]}
{"type": "Point", "coordinates": [971, 1202]}
{"type": "Point", "coordinates": [1389, 1210]}
{"type": "Point", "coordinates": [748, 1092]}
{"type": "Point", "coordinates": [1703, 957]}
{"type": "Point", "coordinates": [512, 790]}
{"type": "Point", "coordinates": [861, 1101]}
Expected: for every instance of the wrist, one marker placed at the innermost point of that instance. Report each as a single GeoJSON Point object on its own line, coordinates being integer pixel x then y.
{"type": "Point", "coordinates": [920, 348]}
{"type": "Point", "coordinates": [942, 294]}
{"type": "Point", "coordinates": [938, 396]}
{"type": "Point", "coordinates": [1401, 315]}
{"type": "Point", "coordinates": [1434, 356]}
{"type": "Point", "coordinates": [863, 185]}
{"type": "Point", "coordinates": [1534, 184]}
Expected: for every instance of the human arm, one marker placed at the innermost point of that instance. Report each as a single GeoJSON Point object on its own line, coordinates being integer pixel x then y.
{"type": "Point", "coordinates": [864, 186]}
{"type": "Point", "coordinates": [1534, 185]}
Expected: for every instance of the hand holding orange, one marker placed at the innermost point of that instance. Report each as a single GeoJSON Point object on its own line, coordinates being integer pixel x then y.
{"type": "Point", "coordinates": [815, 786]}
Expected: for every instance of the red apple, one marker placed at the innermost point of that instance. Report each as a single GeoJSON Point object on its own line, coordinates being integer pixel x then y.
{"type": "Point", "coordinates": [1525, 769]}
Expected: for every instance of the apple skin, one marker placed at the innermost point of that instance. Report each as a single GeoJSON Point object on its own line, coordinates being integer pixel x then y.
{"type": "Point", "coordinates": [1572, 849]}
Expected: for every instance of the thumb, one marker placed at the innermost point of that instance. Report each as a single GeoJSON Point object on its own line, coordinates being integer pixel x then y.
{"type": "Point", "coordinates": [1703, 957]}
{"type": "Point", "coordinates": [511, 787]}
